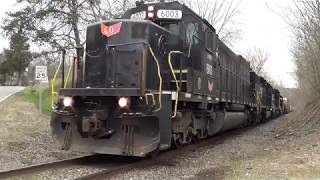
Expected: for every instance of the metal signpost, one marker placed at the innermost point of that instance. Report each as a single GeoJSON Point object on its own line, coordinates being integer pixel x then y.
{"type": "Point", "coordinates": [41, 75]}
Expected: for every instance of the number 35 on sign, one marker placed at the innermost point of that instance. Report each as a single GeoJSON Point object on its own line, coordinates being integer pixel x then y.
{"type": "Point", "coordinates": [41, 73]}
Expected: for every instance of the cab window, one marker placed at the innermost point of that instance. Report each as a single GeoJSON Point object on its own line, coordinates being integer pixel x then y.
{"type": "Point", "coordinates": [139, 15]}
{"type": "Point", "coordinates": [192, 29]}
{"type": "Point", "coordinates": [209, 40]}
{"type": "Point", "coordinates": [172, 27]}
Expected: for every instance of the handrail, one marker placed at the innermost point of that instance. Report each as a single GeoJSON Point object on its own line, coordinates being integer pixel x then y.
{"type": "Point", "coordinates": [68, 75]}
{"type": "Point", "coordinates": [157, 63]}
{"type": "Point", "coordinates": [176, 81]}
{"type": "Point", "coordinates": [159, 76]}
{"type": "Point", "coordinates": [53, 92]}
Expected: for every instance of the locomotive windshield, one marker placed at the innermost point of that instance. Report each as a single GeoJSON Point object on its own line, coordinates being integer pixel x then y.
{"type": "Point", "coordinates": [139, 15]}
{"type": "Point", "coordinates": [142, 12]}
{"type": "Point", "coordinates": [173, 27]}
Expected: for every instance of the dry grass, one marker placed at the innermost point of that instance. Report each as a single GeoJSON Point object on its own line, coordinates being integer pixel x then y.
{"type": "Point", "coordinates": [25, 136]}
{"type": "Point", "coordinates": [303, 121]}
{"type": "Point", "coordinates": [20, 118]}
{"type": "Point", "coordinates": [292, 152]}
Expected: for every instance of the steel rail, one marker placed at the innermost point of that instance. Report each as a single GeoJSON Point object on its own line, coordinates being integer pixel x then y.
{"type": "Point", "coordinates": [44, 166]}
{"type": "Point", "coordinates": [117, 169]}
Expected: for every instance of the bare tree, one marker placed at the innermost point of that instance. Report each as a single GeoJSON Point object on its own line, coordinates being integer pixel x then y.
{"type": "Point", "coordinates": [257, 58]}
{"type": "Point", "coordinates": [61, 24]}
{"type": "Point", "coordinates": [108, 9]}
{"type": "Point", "coordinates": [305, 23]}
{"type": "Point", "coordinates": [222, 14]}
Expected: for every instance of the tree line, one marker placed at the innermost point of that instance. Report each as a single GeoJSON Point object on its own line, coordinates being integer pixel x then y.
{"type": "Point", "coordinates": [305, 23]}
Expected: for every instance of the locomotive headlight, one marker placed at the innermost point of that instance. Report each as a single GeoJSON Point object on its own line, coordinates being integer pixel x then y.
{"type": "Point", "coordinates": [123, 102]}
{"type": "Point", "coordinates": [150, 15]}
{"type": "Point", "coordinates": [151, 8]}
{"type": "Point", "coordinates": [67, 101]}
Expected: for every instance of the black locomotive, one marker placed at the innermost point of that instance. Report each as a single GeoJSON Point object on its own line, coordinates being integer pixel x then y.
{"type": "Point", "coordinates": [156, 78]}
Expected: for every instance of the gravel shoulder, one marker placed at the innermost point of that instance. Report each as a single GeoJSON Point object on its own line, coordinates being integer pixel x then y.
{"type": "Point", "coordinates": [251, 153]}
{"type": "Point", "coordinates": [25, 136]}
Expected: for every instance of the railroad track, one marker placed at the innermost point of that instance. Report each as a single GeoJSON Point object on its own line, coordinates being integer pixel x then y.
{"type": "Point", "coordinates": [45, 166]}
{"type": "Point", "coordinates": [113, 165]}
{"type": "Point", "coordinates": [118, 168]}
{"type": "Point", "coordinates": [163, 159]}
{"type": "Point", "coordinates": [107, 164]}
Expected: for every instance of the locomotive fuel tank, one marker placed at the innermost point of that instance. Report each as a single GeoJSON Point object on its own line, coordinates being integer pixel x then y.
{"type": "Point", "coordinates": [225, 121]}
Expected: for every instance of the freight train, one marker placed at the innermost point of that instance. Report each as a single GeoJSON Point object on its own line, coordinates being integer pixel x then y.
{"type": "Point", "coordinates": [156, 78]}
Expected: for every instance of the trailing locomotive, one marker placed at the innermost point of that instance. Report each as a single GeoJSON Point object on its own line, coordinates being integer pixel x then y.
{"type": "Point", "coordinates": [157, 78]}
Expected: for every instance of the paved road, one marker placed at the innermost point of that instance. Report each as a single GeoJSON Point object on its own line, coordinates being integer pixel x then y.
{"type": "Point", "coordinates": [7, 91]}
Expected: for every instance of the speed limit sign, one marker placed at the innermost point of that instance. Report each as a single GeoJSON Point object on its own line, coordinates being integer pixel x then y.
{"type": "Point", "coordinates": [41, 73]}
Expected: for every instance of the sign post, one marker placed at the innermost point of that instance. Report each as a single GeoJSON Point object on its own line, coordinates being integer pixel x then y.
{"type": "Point", "coordinates": [41, 75]}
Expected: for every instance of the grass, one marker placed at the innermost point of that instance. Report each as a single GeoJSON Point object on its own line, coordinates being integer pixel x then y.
{"type": "Point", "coordinates": [32, 94]}
{"type": "Point", "coordinates": [25, 132]}
{"type": "Point", "coordinates": [19, 118]}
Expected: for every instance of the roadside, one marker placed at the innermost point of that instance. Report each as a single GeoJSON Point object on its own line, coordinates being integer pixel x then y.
{"type": "Point", "coordinates": [7, 91]}
{"type": "Point", "coordinates": [25, 136]}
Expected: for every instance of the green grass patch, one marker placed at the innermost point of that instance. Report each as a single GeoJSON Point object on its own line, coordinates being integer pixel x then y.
{"type": "Point", "coordinates": [32, 94]}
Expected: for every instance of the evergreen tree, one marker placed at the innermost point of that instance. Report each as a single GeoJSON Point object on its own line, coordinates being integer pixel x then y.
{"type": "Point", "coordinates": [4, 70]}
{"type": "Point", "coordinates": [18, 56]}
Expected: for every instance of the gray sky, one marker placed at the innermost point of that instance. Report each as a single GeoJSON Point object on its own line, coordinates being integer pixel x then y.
{"type": "Point", "coordinates": [261, 28]}
{"type": "Point", "coordinates": [264, 29]}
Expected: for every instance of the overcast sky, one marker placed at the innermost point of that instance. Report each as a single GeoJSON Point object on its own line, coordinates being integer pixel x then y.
{"type": "Point", "coordinates": [261, 28]}
{"type": "Point", "coordinates": [265, 29]}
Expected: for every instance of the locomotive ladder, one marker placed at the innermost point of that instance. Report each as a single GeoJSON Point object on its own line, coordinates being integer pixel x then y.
{"type": "Point", "coordinates": [177, 82]}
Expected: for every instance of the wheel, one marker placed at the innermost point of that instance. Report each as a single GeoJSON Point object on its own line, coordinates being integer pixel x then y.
{"type": "Point", "coordinates": [154, 153]}
{"type": "Point", "coordinates": [177, 141]}
{"type": "Point", "coordinates": [198, 136]}
{"type": "Point", "coordinates": [188, 135]}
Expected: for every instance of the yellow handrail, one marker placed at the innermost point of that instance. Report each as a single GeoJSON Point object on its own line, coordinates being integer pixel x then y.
{"type": "Point", "coordinates": [159, 76]}
{"type": "Point", "coordinates": [175, 78]}
{"type": "Point", "coordinates": [53, 92]}
{"type": "Point", "coordinates": [69, 72]}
